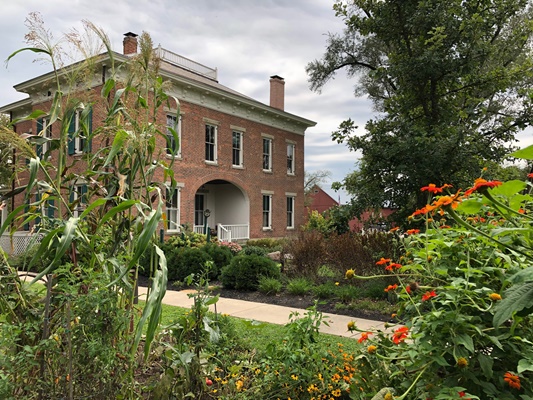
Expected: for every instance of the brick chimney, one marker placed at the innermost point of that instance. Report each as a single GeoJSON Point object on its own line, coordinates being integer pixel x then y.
{"type": "Point", "coordinates": [130, 43]}
{"type": "Point", "coordinates": [277, 92]}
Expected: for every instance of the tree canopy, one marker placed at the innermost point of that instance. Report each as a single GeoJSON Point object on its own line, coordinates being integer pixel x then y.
{"type": "Point", "coordinates": [450, 81]}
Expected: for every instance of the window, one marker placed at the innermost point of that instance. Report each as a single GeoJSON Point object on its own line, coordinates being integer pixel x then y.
{"type": "Point", "coordinates": [210, 143]}
{"type": "Point", "coordinates": [173, 135]}
{"type": "Point", "coordinates": [237, 149]}
{"type": "Point", "coordinates": [44, 127]}
{"type": "Point", "coordinates": [78, 199]}
{"type": "Point", "coordinates": [290, 211]}
{"type": "Point", "coordinates": [267, 154]}
{"type": "Point", "coordinates": [290, 159]}
{"type": "Point", "coordinates": [267, 211]}
{"type": "Point", "coordinates": [173, 209]}
{"type": "Point", "coordinates": [79, 130]}
{"type": "Point", "coordinates": [199, 206]}
{"type": "Point", "coordinates": [4, 211]}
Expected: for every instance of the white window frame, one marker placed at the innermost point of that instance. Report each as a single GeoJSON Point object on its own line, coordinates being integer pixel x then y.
{"type": "Point", "coordinates": [173, 212]}
{"type": "Point", "coordinates": [290, 210]}
{"type": "Point", "coordinates": [77, 192]}
{"type": "Point", "coordinates": [213, 144]}
{"type": "Point", "coordinates": [47, 133]}
{"type": "Point", "coordinates": [4, 213]}
{"type": "Point", "coordinates": [267, 153]}
{"type": "Point", "coordinates": [240, 135]}
{"type": "Point", "coordinates": [170, 138]}
{"type": "Point", "coordinates": [267, 211]}
{"type": "Point", "coordinates": [291, 164]}
{"type": "Point", "coordinates": [79, 141]}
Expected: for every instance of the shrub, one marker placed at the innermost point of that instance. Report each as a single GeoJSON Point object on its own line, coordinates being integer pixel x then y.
{"type": "Point", "coordinates": [269, 244]}
{"type": "Point", "coordinates": [254, 250]}
{"type": "Point", "coordinates": [186, 261]}
{"type": "Point", "coordinates": [269, 285]}
{"type": "Point", "coordinates": [308, 253]}
{"type": "Point", "coordinates": [347, 293]}
{"type": "Point", "coordinates": [244, 271]}
{"type": "Point", "coordinates": [221, 256]}
{"type": "Point", "coordinates": [299, 286]}
{"type": "Point", "coordinates": [234, 247]}
{"type": "Point", "coordinates": [325, 291]}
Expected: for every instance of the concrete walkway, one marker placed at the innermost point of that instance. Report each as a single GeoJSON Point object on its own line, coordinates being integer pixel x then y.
{"type": "Point", "coordinates": [269, 313]}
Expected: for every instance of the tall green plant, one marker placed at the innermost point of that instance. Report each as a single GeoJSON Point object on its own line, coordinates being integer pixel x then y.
{"type": "Point", "coordinates": [104, 229]}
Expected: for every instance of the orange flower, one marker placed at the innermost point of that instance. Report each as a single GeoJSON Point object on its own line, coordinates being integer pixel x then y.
{"type": "Point", "coordinates": [364, 336]}
{"type": "Point", "coordinates": [512, 380]}
{"type": "Point", "coordinates": [495, 297]}
{"type": "Point", "coordinates": [412, 231]}
{"type": "Point", "coordinates": [530, 175]}
{"type": "Point", "coordinates": [391, 288]}
{"type": "Point", "coordinates": [400, 334]}
{"type": "Point", "coordinates": [481, 184]}
{"type": "Point", "coordinates": [393, 265]}
{"type": "Point", "coordinates": [428, 295]}
{"type": "Point", "coordinates": [383, 261]}
{"type": "Point", "coordinates": [448, 201]}
{"type": "Point", "coordinates": [394, 229]}
{"type": "Point", "coordinates": [432, 188]}
{"type": "Point", "coordinates": [408, 289]}
{"type": "Point", "coordinates": [371, 349]}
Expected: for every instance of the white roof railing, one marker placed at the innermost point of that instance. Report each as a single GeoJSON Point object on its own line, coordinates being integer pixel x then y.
{"type": "Point", "coordinates": [186, 63]}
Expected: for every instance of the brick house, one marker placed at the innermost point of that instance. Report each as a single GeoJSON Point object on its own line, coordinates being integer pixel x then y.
{"type": "Point", "coordinates": [238, 158]}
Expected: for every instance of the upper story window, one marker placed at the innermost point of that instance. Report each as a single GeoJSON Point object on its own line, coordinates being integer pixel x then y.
{"type": "Point", "coordinates": [173, 209]}
{"type": "Point", "coordinates": [44, 129]}
{"type": "Point", "coordinates": [290, 158]}
{"type": "Point", "coordinates": [267, 154]}
{"type": "Point", "coordinates": [237, 153]}
{"type": "Point", "coordinates": [173, 135]}
{"type": "Point", "coordinates": [79, 130]}
{"type": "Point", "coordinates": [211, 143]}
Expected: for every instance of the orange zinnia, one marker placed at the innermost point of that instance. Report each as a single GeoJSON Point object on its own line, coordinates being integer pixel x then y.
{"type": "Point", "coordinates": [412, 231]}
{"type": "Point", "coordinates": [364, 336]}
{"type": "Point", "coordinates": [391, 287]}
{"type": "Point", "coordinates": [383, 261]}
{"type": "Point", "coordinates": [482, 184]}
{"type": "Point", "coordinates": [512, 380]}
{"type": "Point", "coordinates": [400, 334]}
{"type": "Point", "coordinates": [393, 265]}
{"type": "Point", "coordinates": [428, 295]}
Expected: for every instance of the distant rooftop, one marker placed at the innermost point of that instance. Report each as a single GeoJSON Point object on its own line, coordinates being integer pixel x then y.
{"type": "Point", "coordinates": [186, 63]}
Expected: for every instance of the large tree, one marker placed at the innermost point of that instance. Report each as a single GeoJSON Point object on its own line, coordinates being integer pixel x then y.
{"type": "Point", "coordinates": [451, 83]}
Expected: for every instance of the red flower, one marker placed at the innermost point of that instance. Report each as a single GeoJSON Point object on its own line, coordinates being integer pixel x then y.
{"type": "Point", "coordinates": [391, 287]}
{"type": "Point", "coordinates": [463, 394]}
{"type": "Point", "coordinates": [482, 184]}
{"type": "Point", "coordinates": [408, 289]}
{"type": "Point", "coordinates": [412, 231]}
{"type": "Point", "coordinates": [364, 336]}
{"type": "Point", "coordinates": [400, 334]}
{"type": "Point", "coordinates": [428, 295]}
{"type": "Point", "coordinates": [432, 188]}
{"type": "Point", "coordinates": [393, 265]}
{"type": "Point", "coordinates": [383, 261]}
{"type": "Point", "coordinates": [530, 175]}
{"type": "Point", "coordinates": [512, 380]}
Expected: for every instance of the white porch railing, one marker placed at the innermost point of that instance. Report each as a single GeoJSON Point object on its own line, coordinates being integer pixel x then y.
{"type": "Point", "coordinates": [18, 243]}
{"type": "Point", "coordinates": [228, 233]}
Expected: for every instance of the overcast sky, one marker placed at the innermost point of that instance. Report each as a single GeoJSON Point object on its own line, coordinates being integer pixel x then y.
{"type": "Point", "coordinates": [246, 40]}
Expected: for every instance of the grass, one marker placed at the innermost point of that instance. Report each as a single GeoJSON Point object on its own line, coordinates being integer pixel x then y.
{"type": "Point", "coordinates": [258, 335]}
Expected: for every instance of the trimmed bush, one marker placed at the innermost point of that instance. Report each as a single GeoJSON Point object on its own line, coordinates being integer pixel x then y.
{"type": "Point", "coordinates": [254, 251]}
{"type": "Point", "coordinates": [220, 255]}
{"type": "Point", "coordinates": [185, 261]}
{"type": "Point", "coordinates": [244, 271]}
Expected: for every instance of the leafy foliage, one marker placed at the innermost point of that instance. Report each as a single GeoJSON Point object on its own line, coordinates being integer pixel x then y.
{"type": "Point", "coordinates": [244, 272]}
{"type": "Point", "coordinates": [451, 82]}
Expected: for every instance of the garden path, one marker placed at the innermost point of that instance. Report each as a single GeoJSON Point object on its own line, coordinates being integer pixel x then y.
{"type": "Point", "coordinates": [270, 313]}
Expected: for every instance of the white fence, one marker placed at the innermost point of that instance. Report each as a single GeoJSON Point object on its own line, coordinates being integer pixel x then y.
{"type": "Point", "coordinates": [18, 243]}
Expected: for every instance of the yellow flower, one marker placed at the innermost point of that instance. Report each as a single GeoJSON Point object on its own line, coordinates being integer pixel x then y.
{"type": "Point", "coordinates": [336, 283]}
{"type": "Point", "coordinates": [351, 326]}
{"type": "Point", "coordinates": [336, 393]}
{"type": "Point", "coordinates": [238, 385]}
{"type": "Point", "coordinates": [349, 274]}
{"type": "Point", "coordinates": [371, 349]}
{"type": "Point", "coordinates": [294, 377]}
{"type": "Point", "coordinates": [495, 297]}
{"type": "Point", "coordinates": [462, 362]}
{"type": "Point", "coordinates": [388, 396]}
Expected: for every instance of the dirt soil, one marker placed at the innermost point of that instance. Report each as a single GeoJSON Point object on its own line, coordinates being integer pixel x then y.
{"type": "Point", "coordinates": [287, 300]}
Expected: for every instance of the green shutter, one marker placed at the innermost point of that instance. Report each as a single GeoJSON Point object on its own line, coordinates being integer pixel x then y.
{"type": "Point", "coordinates": [71, 131]}
{"type": "Point", "coordinates": [90, 133]}
{"type": "Point", "coordinates": [26, 226]}
{"type": "Point", "coordinates": [39, 148]}
{"type": "Point", "coordinates": [50, 208]}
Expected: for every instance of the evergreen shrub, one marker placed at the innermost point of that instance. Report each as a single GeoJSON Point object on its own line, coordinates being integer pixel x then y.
{"type": "Point", "coordinates": [244, 271]}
